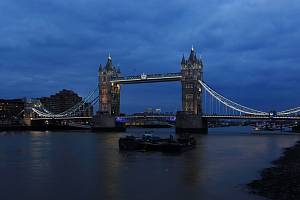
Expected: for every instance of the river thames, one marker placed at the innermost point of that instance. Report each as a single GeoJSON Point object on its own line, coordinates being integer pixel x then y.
{"type": "Point", "coordinates": [86, 165]}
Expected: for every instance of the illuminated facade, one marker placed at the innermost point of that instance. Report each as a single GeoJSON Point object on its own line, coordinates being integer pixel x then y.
{"type": "Point", "coordinates": [109, 93]}
{"type": "Point", "coordinates": [192, 72]}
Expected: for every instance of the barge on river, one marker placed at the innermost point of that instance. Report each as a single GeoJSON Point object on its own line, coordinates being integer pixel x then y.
{"type": "Point", "coordinates": [153, 143]}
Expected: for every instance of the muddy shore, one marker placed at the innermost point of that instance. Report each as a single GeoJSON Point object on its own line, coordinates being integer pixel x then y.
{"type": "Point", "coordinates": [282, 179]}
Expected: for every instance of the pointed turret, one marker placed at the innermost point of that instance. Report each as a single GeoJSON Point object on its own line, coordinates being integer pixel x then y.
{"type": "Point", "coordinates": [109, 65]}
{"type": "Point", "coordinates": [100, 68]}
{"type": "Point", "coordinates": [183, 60]}
{"type": "Point", "coordinates": [200, 60]}
{"type": "Point", "coordinates": [192, 57]}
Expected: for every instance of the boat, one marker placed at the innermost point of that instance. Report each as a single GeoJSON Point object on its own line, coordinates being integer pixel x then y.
{"type": "Point", "coordinates": [268, 127]}
{"type": "Point", "coordinates": [154, 143]}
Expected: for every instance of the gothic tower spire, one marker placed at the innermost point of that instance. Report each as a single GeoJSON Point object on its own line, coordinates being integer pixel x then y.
{"type": "Point", "coordinates": [183, 60]}
{"type": "Point", "coordinates": [109, 65]}
{"type": "Point", "coordinates": [192, 57]}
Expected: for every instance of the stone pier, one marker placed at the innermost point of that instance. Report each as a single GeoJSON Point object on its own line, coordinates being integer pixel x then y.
{"type": "Point", "coordinates": [187, 122]}
{"type": "Point", "coordinates": [105, 122]}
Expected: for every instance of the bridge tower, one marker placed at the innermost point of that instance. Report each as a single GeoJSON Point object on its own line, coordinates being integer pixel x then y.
{"type": "Point", "coordinates": [109, 93]}
{"type": "Point", "coordinates": [192, 72]}
{"type": "Point", "coordinates": [109, 98]}
{"type": "Point", "coordinates": [190, 118]}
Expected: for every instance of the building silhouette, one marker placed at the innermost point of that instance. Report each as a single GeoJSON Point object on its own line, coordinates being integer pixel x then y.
{"type": "Point", "coordinates": [64, 100]}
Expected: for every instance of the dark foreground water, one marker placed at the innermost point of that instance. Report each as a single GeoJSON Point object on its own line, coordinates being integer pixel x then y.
{"type": "Point", "coordinates": [85, 165]}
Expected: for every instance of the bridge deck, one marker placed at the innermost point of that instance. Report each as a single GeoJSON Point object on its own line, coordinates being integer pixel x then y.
{"type": "Point", "coordinates": [147, 78]}
{"type": "Point", "coordinates": [174, 117]}
{"type": "Point", "coordinates": [251, 117]}
{"type": "Point", "coordinates": [221, 117]}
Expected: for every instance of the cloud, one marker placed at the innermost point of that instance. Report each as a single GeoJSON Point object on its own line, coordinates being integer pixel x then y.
{"type": "Point", "coordinates": [51, 45]}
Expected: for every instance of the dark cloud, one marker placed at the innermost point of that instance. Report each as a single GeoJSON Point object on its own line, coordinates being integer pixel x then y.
{"type": "Point", "coordinates": [250, 48]}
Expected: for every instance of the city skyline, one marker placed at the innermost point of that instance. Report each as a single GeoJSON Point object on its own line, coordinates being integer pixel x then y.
{"type": "Point", "coordinates": [249, 49]}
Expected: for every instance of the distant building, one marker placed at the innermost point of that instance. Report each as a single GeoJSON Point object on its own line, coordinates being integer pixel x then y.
{"type": "Point", "coordinates": [11, 111]}
{"type": "Point", "coordinates": [153, 111]}
{"type": "Point", "coordinates": [64, 100]}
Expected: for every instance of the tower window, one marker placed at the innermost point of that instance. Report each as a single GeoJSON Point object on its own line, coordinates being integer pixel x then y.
{"type": "Point", "coordinates": [188, 96]}
{"type": "Point", "coordinates": [188, 85]}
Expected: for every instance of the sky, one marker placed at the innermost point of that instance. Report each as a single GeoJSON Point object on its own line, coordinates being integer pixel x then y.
{"type": "Point", "coordinates": [250, 48]}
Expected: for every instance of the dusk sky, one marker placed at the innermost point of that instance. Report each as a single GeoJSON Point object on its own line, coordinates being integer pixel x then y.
{"type": "Point", "coordinates": [250, 48]}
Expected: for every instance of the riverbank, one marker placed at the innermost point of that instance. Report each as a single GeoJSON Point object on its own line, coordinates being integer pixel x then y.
{"type": "Point", "coordinates": [282, 180]}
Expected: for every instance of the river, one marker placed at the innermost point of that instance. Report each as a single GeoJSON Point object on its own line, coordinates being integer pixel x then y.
{"type": "Point", "coordinates": [86, 165]}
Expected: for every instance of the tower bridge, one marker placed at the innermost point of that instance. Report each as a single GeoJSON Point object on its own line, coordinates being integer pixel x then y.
{"type": "Point", "coordinates": [110, 81]}
{"type": "Point", "coordinates": [199, 101]}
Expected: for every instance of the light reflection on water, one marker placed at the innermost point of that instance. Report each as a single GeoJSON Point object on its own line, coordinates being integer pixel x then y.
{"type": "Point", "coordinates": [85, 165]}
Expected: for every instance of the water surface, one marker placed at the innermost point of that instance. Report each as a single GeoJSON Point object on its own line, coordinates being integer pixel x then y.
{"type": "Point", "coordinates": [86, 165]}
